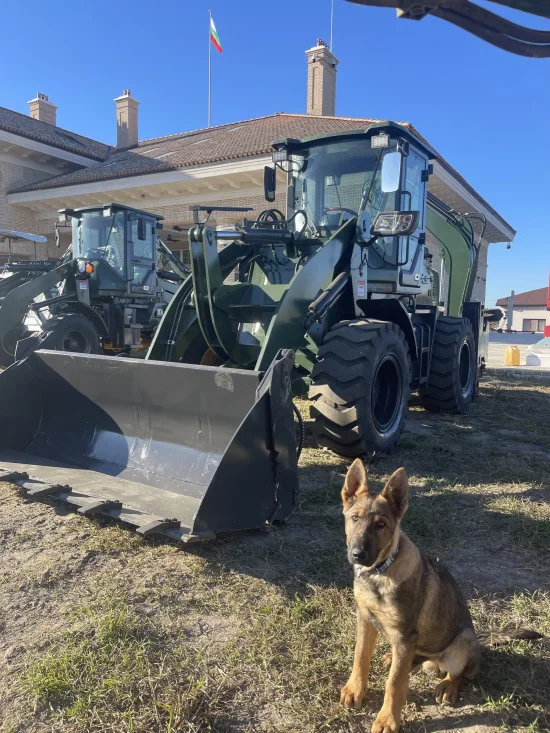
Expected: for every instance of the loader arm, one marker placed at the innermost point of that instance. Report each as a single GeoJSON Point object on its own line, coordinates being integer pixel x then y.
{"type": "Point", "coordinates": [16, 303]}
{"type": "Point", "coordinates": [207, 280]}
{"type": "Point", "coordinates": [288, 324]}
{"type": "Point", "coordinates": [11, 280]}
{"type": "Point", "coordinates": [179, 324]}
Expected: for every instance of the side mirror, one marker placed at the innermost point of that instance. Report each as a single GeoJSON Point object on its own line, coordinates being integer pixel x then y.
{"type": "Point", "coordinates": [270, 183]}
{"type": "Point", "coordinates": [391, 172]}
{"type": "Point", "coordinates": [141, 229]}
{"type": "Point", "coordinates": [57, 240]}
{"type": "Point", "coordinates": [395, 223]}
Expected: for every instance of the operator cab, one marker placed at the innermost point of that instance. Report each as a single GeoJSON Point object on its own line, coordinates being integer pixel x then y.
{"type": "Point", "coordinates": [363, 174]}
{"type": "Point", "coordinates": [115, 249]}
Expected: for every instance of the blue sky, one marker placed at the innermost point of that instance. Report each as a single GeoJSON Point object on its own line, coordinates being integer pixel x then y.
{"type": "Point", "coordinates": [486, 111]}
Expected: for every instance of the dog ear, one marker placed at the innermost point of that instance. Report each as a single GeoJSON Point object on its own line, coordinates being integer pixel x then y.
{"type": "Point", "coordinates": [396, 493]}
{"type": "Point", "coordinates": [355, 483]}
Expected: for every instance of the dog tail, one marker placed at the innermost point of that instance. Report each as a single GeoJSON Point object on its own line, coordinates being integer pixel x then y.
{"type": "Point", "coordinates": [506, 635]}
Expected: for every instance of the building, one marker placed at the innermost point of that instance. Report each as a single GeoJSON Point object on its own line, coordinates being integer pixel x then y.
{"type": "Point", "coordinates": [530, 312]}
{"type": "Point", "coordinates": [44, 168]}
{"type": "Point", "coordinates": [34, 149]}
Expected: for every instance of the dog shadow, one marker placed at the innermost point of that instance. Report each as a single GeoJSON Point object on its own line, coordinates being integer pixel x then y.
{"type": "Point", "coordinates": [510, 680]}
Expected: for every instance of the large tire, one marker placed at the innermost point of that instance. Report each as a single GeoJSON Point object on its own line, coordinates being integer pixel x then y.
{"type": "Point", "coordinates": [453, 370]}
{"type": "Point", "coordinates": [75, 333]}
{"type": "Point", "coordinates": [361, 387]}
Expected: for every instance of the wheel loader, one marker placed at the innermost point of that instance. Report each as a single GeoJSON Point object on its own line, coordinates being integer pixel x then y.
{"type": "Point", "coordinates": [105, 295]}
{"type": "Point", "coordinates": [337, 295]}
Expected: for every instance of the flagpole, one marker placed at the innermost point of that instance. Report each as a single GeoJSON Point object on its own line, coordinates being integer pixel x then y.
{"type": "Point", "coordinates": [331, 21]}
{"type": "Point", "coordinates": [209, 70]}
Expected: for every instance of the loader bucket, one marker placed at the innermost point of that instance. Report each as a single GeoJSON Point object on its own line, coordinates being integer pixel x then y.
{"type": "Point", "coordinates": [187, 451]}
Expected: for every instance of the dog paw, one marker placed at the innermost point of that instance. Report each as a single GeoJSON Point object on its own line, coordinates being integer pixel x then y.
{"type": "Point", "coordinates": [352, 695]}
{"type": "Point", "coordinates": [385, 723]}
{"type": "Point", "coordinates": [447, 691]}
{"type": "Point", "coordinates": [386, 660]}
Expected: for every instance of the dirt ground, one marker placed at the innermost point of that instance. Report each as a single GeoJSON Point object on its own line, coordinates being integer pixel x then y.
{"type": "Point", "coordinates": [101, 630]}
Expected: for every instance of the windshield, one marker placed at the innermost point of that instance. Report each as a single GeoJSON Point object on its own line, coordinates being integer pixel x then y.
{"type": "Point", "coordinates": [99, 237]}
{"type": "Point", "coordinates": [338, 180]}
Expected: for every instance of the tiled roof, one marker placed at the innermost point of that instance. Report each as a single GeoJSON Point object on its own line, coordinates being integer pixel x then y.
{"type": "Point", "coordinates": [531, 297]}
{"type": "Point", "coordinates": [215, 144]}
{"type": "Point", "coordinates": [26, 126]}
{"type": "Point", "coordinates": [209, 145]}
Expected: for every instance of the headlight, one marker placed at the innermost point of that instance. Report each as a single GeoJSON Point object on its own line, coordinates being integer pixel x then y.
{"type": "Point", "coordinates": [395, 223]}
{"type": "Point", "coordinates": [380, 141]}
{"type": "Point", "coordinates": [279, 156]}
{"type": "Point", "coordinates": [84, 267]}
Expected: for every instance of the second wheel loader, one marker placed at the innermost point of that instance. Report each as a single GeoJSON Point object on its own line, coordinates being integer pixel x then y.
{"type": "Point", "coordinates": [338, 295]}
{"type": "Point", "coordinates": [106, 294]}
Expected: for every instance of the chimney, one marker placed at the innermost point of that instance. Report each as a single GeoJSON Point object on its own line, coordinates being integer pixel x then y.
{"type": "Point", "coordinates": [126, 120]}
{"type": "Point", "coordinates": [321, 80]}
{"type": "Point", "coordinates": [40, 108]}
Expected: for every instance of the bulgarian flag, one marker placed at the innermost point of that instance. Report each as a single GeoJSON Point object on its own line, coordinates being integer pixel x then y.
{"type": "Point", "coordinates": [214, 35]}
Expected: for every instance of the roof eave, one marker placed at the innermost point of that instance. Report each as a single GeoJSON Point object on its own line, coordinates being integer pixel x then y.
{"type": "Point", "coordinates": [16, 138]}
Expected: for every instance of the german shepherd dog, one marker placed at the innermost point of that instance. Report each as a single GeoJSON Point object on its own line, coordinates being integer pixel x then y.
{"type": "Point", "coordinates": [413, 600]}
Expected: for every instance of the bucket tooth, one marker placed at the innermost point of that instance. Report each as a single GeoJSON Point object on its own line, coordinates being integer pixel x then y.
{"type": "Point", "coordinates": [158, 526]}
{"type": "Point", "coordinates": [98, 507]}
{"type": "Point", "coordinates": [40, 489]}
{"type": "Point", "coordinates": [13, 476]}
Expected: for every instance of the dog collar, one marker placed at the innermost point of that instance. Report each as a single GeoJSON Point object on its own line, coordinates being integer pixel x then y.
{"type": "Point", "coordinates": [387, 562]}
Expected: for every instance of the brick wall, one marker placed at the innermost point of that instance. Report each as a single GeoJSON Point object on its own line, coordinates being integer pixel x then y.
{"type": "Point", "coordinates": [180, 214]}
{"type": "Point", "coordinates": [21, 218]}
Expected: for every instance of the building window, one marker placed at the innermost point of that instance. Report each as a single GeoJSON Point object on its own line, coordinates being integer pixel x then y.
{"type": "Point", "coordinates": [183, 255]}
{"type": "Point", "coordinates": [534, 325]}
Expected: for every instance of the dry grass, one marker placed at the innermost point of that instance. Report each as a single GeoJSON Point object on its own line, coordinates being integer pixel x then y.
{"type": "Point", "coordinates": [106, 631]}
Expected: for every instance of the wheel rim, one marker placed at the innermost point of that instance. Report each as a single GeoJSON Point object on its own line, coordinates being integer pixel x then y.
{"type": "Point", "coordinates": [465, 368]}
{"type": "Point", "coordinates": [75, 341]}
{"type": "Point", "coordinates": [387, 389]}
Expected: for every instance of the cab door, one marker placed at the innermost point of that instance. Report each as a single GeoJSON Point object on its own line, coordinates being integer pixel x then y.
{"type": "Point", "coordinates": [414, 199]}
{"type": "Point", "coordinates": [141, 246]}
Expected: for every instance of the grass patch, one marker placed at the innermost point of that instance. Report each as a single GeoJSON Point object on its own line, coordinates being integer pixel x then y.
{"type": "Point", "coordinates": [255, 631]}
{"type": "Point", "coordinates": [515, 679]}
{"type": "Point", "coordinates": [532, 520]}
{"type": "Point", "coordinates": [109, 537]}
{"type": "Point", "coordinates": [92, 665]}
{"type": "Point", "coordinates": [119, 671]}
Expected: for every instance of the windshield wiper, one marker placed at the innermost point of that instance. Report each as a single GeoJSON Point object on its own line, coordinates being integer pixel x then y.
{"type": "Point", "coordinates": [365, 197]}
